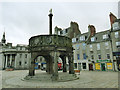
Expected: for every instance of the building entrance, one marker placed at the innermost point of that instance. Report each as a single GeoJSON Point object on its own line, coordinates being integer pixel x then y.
{"type": "Point", "coordinates": [103, 66]}
{"type": "Point", "coordinates": [90, 67]}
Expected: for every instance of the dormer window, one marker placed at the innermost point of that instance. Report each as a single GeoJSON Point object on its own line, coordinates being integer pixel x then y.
{"type": "Point", "coordinates": [82, 38]}
{"type": "Point", "coordinates": [117, 43]}
{"type": "Point", "coordinates": [116, 34]}
{"type": "Point", "coordinates": [61, 32]}
{"type": "Point", "coordinates": [74, 40]}
{"type": "Point", "coordinates": [105, 36]}
{"type": "Point", "coordinates": [58, 32]}
{"type": "Point", "coordinates": [92, 39]}
{"type": "Point", "coordinates": [116, 26]}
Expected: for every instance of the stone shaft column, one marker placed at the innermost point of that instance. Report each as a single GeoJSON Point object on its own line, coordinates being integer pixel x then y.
{"type": "Point", "coordinates": [71, 64]}
{"type": "Point", "coordinates": [50, 23]}
{"type": "Point", "coordinates": [55, 56]}
{"type": "Point", "coordinates": [64, 64]}
{"type": "Point", "coordinates": [32, 66]}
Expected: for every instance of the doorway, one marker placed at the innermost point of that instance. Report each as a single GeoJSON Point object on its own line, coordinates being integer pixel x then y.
{"type": "Point", "coordinates": [103, 66]}
{"type": "Point", "coordinates": [90, 67]}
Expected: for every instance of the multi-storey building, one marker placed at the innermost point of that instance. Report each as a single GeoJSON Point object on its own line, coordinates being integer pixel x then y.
{"type": "Point", "coordinates": [16, 57]}
{"type": "Point", "coordinates": [97, 51]}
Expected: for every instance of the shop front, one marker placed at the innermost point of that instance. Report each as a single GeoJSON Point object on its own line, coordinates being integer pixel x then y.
{"type": "Point", "coordinates": [117, 55]}
{"type": "Point", "coordinates": [103, 65]}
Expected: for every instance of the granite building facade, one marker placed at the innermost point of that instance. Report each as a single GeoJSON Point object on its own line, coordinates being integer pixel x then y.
{"type": "Point", "coordinates": [97, 50]}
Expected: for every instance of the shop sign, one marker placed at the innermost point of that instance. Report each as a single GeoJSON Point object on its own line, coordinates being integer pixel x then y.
{"type": "Point", "coordinates": [102, 60]}
{"type": "Point", "coordinates": [109, 65]}
{"type": "Point", "coordinates": [97, 66]}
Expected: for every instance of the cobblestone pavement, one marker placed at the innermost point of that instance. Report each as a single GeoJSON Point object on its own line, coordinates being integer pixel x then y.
{"type": "Point", "coordinates": [87, 79]}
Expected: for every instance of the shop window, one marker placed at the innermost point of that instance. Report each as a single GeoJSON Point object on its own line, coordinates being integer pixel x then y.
{"type": "Point", "coordinates": [78, 56]}
{"type": "Point", "coordinates": [84, 65]}
{"type": "Point", "coordinates": [108, 56]}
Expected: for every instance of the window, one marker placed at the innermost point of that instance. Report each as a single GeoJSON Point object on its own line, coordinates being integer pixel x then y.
{"type": "Point", "coordinates": [99, 56]}
{"type": "Point", "coordinates": [20, 48]}
{"type": "Point", "coordinates": [25, 62]}
{"type": "Point", "coordinates": [108, 56]}
{"type": "Point", "coordinates": [82, 38]}
{"type": "Point", "coordinates": [20, 55]}
{"type": "Point", "coordinates": [75, 65]}
{"type": "Point", "coordinates": [117, 43]}
{"type": "Point", "coordinates": [105, 36]}
{"type": "Point", "coordinates": [78, 56]}
{"type": "Point", "coordinates": [98, 46]}
{"type": "Point", "coordinates": [20, 63]}
{"type": "Point", "coordinates": [91, 48]}
{"type": "Point", "coordinates": [58, 32]}
{"type": "Point", "coordinates": [77, 39]}
{"type": "Point", "coordinates": [61, 32]}
{"type": "Point", "coordinates": [92, 39]}
{"type": "Point", "coordinates": [106, 45]}
{"type": "Point", "coordinates": [116, 26]}
{"type": "Point", "coordinates": [25, 55]}
{"type": "Point", "coordinates": [116, 34]}
{"type": "Point", "coordinates": [84, 65]}
{"type": "Point", "coordinates": [77, 46]}
{"type": "Point", "coordinates": [84, 45]}
{"type": "Point", "coordinates": [66, 30]}
{"type": "Point", "coordinates": [92, 56]}
{"type": "Point", "coordinates": [74, 40]}
{"type": "Point", "coordinates": [84, 56]}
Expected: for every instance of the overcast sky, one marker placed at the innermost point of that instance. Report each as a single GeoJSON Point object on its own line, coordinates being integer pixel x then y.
{"type": "Point", "coordinates": [25, 19]}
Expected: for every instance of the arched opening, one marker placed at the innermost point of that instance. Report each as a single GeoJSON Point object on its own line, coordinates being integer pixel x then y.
{"type": "Point", "coordinates": [40, 63]}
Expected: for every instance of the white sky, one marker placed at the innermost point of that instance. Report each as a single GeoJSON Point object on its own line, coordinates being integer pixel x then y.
{"type": "Point", "coordinates": [25, 19]}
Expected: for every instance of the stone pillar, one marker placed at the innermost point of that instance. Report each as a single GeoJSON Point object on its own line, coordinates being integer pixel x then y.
{"type": "Point", "coordinates": [32, 66]}
{"type": "Point", "coordinates": [15, 62]}
{"type": "Point", "coordinates": [10, 60]}
{"type": "Point", "coordinates": [64, 64]}
{"type": "Point", "coordinates": [6, 61]}
{"type": "Point", "coordinates": [71, 64]}
{"type": "Point", "coordinates": [55, 56]}
{"type": "Point", "coordinates": [49, 69]}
